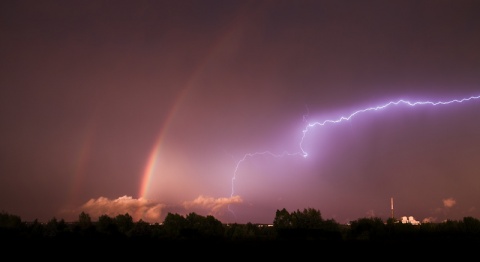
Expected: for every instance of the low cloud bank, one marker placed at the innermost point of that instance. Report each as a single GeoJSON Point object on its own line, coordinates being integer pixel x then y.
{"type": "Point", "coordinates": [150, 210]}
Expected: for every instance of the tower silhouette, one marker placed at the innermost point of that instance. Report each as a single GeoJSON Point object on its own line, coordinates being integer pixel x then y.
{"type": "Point", "coordinates": [391, 207]}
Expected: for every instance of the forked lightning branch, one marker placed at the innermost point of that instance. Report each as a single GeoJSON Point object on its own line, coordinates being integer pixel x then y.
{"type": "Point", "coordinates": [340, 119]}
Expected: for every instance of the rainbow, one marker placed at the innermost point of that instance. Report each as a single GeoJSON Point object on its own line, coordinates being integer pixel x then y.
{"type": "Point", "coordinates": [218, 45]}
{"type": "Point", "coordinates": [81, 162]}
{"type": "Point", "coordinates": [154, 153]}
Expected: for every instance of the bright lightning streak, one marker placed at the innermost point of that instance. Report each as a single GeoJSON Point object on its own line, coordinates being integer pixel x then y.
{"type": "Point", "coordinates": [309, 126]}
{"type": "Point", "coordinates": [346, 118]}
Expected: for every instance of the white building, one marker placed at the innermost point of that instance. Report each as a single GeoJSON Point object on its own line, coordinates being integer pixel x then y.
{"type": "Point", "coordinates": [410, 220]}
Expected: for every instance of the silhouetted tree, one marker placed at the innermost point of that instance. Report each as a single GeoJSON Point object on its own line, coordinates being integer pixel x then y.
{"type": "Point", "coordinates": [124, 223]}
{"type": "Point", "coordinates": [233, 231]}
{"type": "Point", "coordinates": [141, 230]}
{"type": "Point", "coordinates": [306, 224]}
{"type": "Point", "coordinates": [282, 219]}
{"type": "Point", "coordinates": [367, 229]}
{"type": "Point", "coordinates": [84, 226]}
{"type": "Point", "coordinates": [471, 226]}
{"type": "Point", "coordinates": [309, 218]}
{"type": "Point", "coordinates": [11, 226]}
{"type": "Point", "coordinates": [10, 221]}
{"type": "Point", "coordinates": [213, 227]}
{"type": "Point", "coordinates": [84, 221]}
{"type": "Point", "coordinates": [298, 225]}
{"type": "Point", "coordinates": [55, 228]}
{"type": "Point", "coordinates": [107, 226]}
{"type": "Point", "coordinates": [36, 230]}
{"type": "Point", "coordinates": [174, 224]}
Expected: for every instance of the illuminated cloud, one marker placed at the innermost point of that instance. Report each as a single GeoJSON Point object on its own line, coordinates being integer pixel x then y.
{"type": "Point", "coordinates": [442, 211]}
{"type": "Point", "coordinates": [149, 210]}
{"type": "Point", "coordinates": [449, 202]}
{"type": "Point", "coordinates": [141, 208]}
{"type": "Point", "coordinates": [214, 206]}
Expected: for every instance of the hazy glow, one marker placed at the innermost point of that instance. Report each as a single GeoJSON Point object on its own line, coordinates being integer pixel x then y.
{"type": "Point", "coordinates": [447, 202]}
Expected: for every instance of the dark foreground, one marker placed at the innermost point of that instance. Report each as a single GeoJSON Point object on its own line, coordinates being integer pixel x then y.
{"type": "Point", "coordinates": [229, 250]}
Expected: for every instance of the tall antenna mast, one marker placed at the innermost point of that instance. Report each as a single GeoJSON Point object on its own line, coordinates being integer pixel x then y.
{"type": "Point", "coordinates": [391, 206]}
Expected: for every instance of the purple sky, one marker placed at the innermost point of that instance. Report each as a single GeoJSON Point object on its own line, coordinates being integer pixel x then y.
{"type": "Point", "coordinates": [150, 107]}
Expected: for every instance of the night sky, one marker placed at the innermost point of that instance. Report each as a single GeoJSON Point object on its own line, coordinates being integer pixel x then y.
{"type": "Point", "coordinates": [150, 107]}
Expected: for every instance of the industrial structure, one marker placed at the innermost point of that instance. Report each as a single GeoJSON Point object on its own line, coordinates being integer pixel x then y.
{"type": "Point", "coordinates": [391, 207]}
{"type": "Point", "coordinates": [405, 219]}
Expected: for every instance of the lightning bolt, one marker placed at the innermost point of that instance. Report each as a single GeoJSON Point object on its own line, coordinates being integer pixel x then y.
{"type": "Point", "coordinates": [312, 125]}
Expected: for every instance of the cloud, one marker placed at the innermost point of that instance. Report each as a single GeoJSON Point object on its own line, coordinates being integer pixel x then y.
{"type": "Point", "coordinates": [213, 206]}
{"type": "Point", "coordinates": [449, 202]}
{"type": "Point", "coordinates": [442, 211]}
{"type": "Point", "coordinates": [141, 208]}
{"type": "Point", "coordinates": [149, 210]}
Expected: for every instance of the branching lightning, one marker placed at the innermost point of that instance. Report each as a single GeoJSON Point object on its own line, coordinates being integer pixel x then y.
{"type": "Point", "coordinates": [311, 125]}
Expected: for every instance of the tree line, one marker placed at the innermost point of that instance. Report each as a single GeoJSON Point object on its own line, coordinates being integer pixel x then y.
{"type": "Point", "coordinates": [300, 225]}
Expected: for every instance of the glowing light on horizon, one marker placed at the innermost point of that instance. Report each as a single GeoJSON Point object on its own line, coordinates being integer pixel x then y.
{"type": "Point", "coordinates": [311, 125]}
